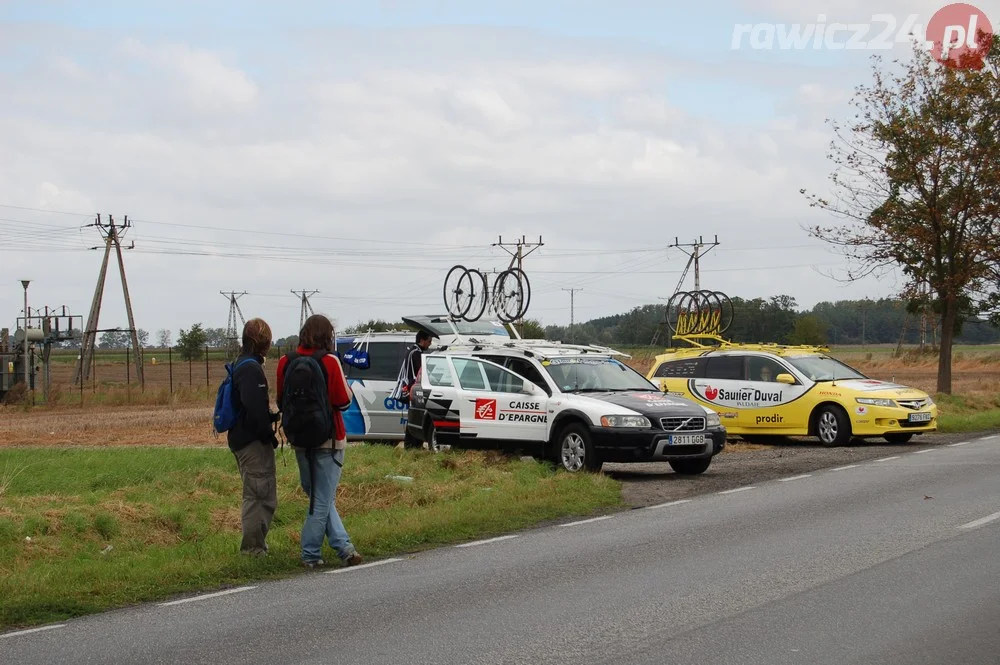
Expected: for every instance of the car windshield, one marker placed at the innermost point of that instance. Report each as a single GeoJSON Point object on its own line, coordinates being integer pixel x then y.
{"type": "Point", "coordinates": [594, 375]}
{"type": "Point", "coordinates": [824, 368]}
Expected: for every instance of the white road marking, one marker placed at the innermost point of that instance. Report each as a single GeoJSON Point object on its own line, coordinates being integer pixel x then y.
{"type": "Point", "coordinates": [926, 450]}
{"type": "Point", "coordinates": [987, 438]}
{"type": "Point", "coordinates": [956, 445]}
{"type": "Point", "coordinates": [208, 595]}
{"type": "Point", "coordinates": [671, 503]}
{"type": "Point", "coordinates": [804, 475]}
{"type": "Point", "coordinates": [363, 565]}
{"type": "Point", "coordinates": [592, 519]}
{"type": "Point", "coordinates": [985, 520]}
{"type": "Point", "coordinates": [739, 489]}
{"type": "Point", "coordinates": [886, 459]}
{"type": "Point", "coordinates": [483, 542]}
{"type": "Point", "coordinates": [33, 630]}
{"type": "Point", "coordinates": [845, 468]}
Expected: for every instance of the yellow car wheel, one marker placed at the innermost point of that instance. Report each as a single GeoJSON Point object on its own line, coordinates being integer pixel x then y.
{"type": "Point", "coordinates": [833, 427]}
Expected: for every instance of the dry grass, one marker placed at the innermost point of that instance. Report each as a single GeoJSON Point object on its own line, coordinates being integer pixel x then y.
{"type": "Point", "coordinates": [108, 426]}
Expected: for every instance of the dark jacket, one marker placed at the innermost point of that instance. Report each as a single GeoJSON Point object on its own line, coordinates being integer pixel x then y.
{"type": "Point", "coordinates": [250, 394]}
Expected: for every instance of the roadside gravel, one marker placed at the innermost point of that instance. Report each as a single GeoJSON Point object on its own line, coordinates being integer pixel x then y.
{"type": "Point", "coordinates": [746, 464]}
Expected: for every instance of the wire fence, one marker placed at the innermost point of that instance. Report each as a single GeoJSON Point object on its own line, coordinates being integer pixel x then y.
{"type": "Point", "coordinates": [167, 376]}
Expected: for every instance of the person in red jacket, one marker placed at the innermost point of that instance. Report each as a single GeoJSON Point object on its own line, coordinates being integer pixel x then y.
{"type": "Point", "coordinates": [320, 483]}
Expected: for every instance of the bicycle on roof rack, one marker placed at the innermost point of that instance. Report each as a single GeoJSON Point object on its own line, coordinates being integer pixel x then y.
{"type": "Point", "coordinates": [467, 294]}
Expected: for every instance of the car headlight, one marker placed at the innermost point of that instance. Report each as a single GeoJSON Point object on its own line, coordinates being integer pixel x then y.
{"type": "Point", "coordinates": [712, 420]}
{"type": "Point", "coordinates": [625, 421]}
{"type": "Point", "coordinates": [874, 401]}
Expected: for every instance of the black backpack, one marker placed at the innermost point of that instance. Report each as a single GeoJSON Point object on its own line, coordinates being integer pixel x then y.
{"type": "Point", "coordinates": [306, 414]}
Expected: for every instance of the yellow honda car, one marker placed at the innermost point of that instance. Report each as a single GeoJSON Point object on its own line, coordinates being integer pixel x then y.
{"type": "Point", "coordinates": [761, 391]}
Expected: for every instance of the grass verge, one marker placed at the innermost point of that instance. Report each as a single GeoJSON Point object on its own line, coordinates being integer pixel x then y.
{"type": "Point", "coordinates": [968, 413]}
{"type": "Point", "coordinates": [84, 530]}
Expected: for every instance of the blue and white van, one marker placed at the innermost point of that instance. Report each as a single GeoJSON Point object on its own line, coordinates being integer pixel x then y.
{"type": "Point", "coordinates": [373, 414]}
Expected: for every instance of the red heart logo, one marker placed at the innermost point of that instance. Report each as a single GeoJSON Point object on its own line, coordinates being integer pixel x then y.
{"type": "Point", "coordinates": [711, 393]}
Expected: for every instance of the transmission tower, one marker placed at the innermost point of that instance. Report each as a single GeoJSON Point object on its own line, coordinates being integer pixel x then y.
{"type": "Point", "coordinates": [307, 309]}
{"type": "Point", "coordinates": [693, 259]}
{"type": "Point", "coordinates": [232, 332]}
{"type": "Point", "coordinates": [112, 234]}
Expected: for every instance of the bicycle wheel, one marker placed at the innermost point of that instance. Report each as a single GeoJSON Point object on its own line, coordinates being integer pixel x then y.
{"type": "Point", "coordinates": [458, 291]}
{"type": "Point", "coordinates": [525, 287]}
{"type": "Point", "coordinates": [508, 296]}
{"type": "Point", "coordinates": [480, 296]}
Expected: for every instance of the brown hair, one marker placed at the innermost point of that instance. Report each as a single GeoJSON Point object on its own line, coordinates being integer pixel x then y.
{"type": "Point", "coordinates": [256, 337]}
{"type": "Point", "coordinates": [316, 333]}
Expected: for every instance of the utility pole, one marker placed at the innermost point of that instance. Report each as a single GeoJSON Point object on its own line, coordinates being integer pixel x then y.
{"type": "Point", "coordinates": [572, 313]}
{"type": "Point", "coordinates": [695, 255]}
{"type": "Point", "coordinates": [519, 254]}
{"type": "Point", "coordinates": [112, 235]}
{"type": "Point", "coordinates": [307, 309]}
{"type": "Point", "coordinates": [24, 283]}
{"type": "Point", "coordinates": [232, 332]}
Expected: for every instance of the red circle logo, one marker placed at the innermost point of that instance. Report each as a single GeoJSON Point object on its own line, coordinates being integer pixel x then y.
{"type": "Point", "coordinates": [960, 36]}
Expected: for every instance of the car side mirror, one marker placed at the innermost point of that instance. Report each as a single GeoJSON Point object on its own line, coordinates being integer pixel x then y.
{"type": "Point", "coordinates": [785, 378]}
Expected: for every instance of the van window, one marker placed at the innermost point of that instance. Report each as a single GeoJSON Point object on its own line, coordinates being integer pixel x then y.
{"type": "Point", "coordinates": [724, 367]}
{"type": "Point", "coordinates": [438, 372]}
{"type": "Point", "coordinates": [386, 358]}
{"type": "Point", "coordinates": [687, 367]}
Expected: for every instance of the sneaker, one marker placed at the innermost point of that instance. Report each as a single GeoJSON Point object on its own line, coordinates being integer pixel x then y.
{"type": "Point", "coordinates": [314, 564]}
{"type": "Point", "coordinates": [353, 560]}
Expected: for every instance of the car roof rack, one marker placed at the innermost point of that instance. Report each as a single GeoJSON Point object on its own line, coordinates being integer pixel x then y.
{"type": "Point", "coordinates": [722, 344]}
{"type": "Point", "coordinates": [542, 348]}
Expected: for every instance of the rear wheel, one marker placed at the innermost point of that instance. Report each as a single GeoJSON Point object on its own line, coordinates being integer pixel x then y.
{"type": "Point", "coordinates": [833, 426]}
{"type": "Point", "coordinates": [690, 467]}
{"type": "Point", "coordinates": [899, 437]}
{"type": "Point", "coordinates": [575, 451]}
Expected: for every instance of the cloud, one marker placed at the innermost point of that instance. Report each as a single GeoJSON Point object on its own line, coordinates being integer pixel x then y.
{"type": "Point", "coordinates": [366, 163]}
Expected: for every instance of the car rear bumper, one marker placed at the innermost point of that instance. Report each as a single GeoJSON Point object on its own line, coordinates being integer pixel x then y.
{"type": "Point", "coordinates": [617, 445]}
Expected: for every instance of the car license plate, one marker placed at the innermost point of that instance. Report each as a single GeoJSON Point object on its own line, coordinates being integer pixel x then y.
{"type": "Point", "coordinates": [920, 417]}
{"type": "Point", "coordinates": [686, 439]}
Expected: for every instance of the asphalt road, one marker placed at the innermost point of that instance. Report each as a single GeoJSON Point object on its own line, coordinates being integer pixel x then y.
{"type": "Point", "coordinates": [891, 560]}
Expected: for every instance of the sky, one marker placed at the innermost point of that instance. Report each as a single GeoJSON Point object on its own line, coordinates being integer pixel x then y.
{"type": "Point", "coordinates": [361, 149]}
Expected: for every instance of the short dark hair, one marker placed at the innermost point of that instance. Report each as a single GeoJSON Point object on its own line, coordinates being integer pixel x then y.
{"type": "Point", "coordinates": [423, 335]}
{"type": "Point", "coordinates": [316, 333]}
{"type": "Point", "coordinates": [256, 337]}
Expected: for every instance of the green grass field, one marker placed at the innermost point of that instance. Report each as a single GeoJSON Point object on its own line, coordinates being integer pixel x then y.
{"type": "Point", "coordinates": [86, 530]}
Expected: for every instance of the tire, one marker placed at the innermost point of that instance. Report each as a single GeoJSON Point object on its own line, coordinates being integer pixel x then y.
{"type": "Point", "coordinates": [899, 437]}
{"type": "Point", "coordinates": [833, 427]}
{"type": "Point", "coordinates": [574, 450]}
{"type": "Point", "coordinates": [690, 467]}
{"type": "Point", "coordinates": [477, 305]}
{"type": "Point", "coordinates": [458, 311]}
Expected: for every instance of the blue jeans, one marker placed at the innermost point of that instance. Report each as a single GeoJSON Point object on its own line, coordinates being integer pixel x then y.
{"type": "Point", "coordinates": [325, 521]}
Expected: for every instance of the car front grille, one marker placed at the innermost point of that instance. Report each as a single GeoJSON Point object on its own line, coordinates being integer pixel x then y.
{"type": "Point", "coordinates": [683, 424]}
{"type": "Point", "coordinates": [912, 404]}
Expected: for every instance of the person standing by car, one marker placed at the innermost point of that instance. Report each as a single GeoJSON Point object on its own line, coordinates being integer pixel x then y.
{"type": "Point", "coordinates": [320, 467]}
{"type": "Point", "coordinates": [252, 439]}
{"type": "Point", "coordinates": [408, 374]}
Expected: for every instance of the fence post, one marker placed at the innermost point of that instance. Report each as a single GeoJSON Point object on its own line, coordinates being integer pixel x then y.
{"type": "Point", "coordinates": [170, 367]}
{"type": "Point", "coordinates": [206, 366]}
{"type": "Point", "coordinates": [93, 372]}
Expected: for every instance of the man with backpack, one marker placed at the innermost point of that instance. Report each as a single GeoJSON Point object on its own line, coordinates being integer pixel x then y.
{"type": "Point", "coordinates": [312, 394]}
{"type": "Point", "coordinates": [249, 422]}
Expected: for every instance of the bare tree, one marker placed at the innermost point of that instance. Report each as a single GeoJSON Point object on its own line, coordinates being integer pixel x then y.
{"type": "Point", "coordinates": [917, 182]}
{"type": "Point", "coordinates": [163, 338]}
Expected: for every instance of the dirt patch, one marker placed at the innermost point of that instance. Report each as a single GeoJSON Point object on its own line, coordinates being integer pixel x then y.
{"type": "Point", "coordinates": [743, 464]}
{"type": "Point", "coordinates": [109, 426]}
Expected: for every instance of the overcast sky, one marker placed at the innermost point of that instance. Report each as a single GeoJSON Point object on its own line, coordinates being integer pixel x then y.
{"type": "Point", "coordinates": [265, 147]}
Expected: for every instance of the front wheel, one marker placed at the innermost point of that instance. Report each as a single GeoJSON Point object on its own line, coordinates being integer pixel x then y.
{"type": "Point", "coordinates": [575, 450]}
{"type": "Point", "coordinates": [899, 437]}
{"type": "Point", "coordinates": [832, 426]}
{"type": "Point", "coordinates": [690, 467]}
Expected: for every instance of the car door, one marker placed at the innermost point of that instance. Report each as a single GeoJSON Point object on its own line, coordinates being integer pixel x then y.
{"type": "Point", "coordinates": [494, 404]}
{"type": "Point", "coordinates": [721, 385]}
{"type": "Point", "coordinates": [774, 404]}
{"type": "Point", "coordinates": [438, 400]}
